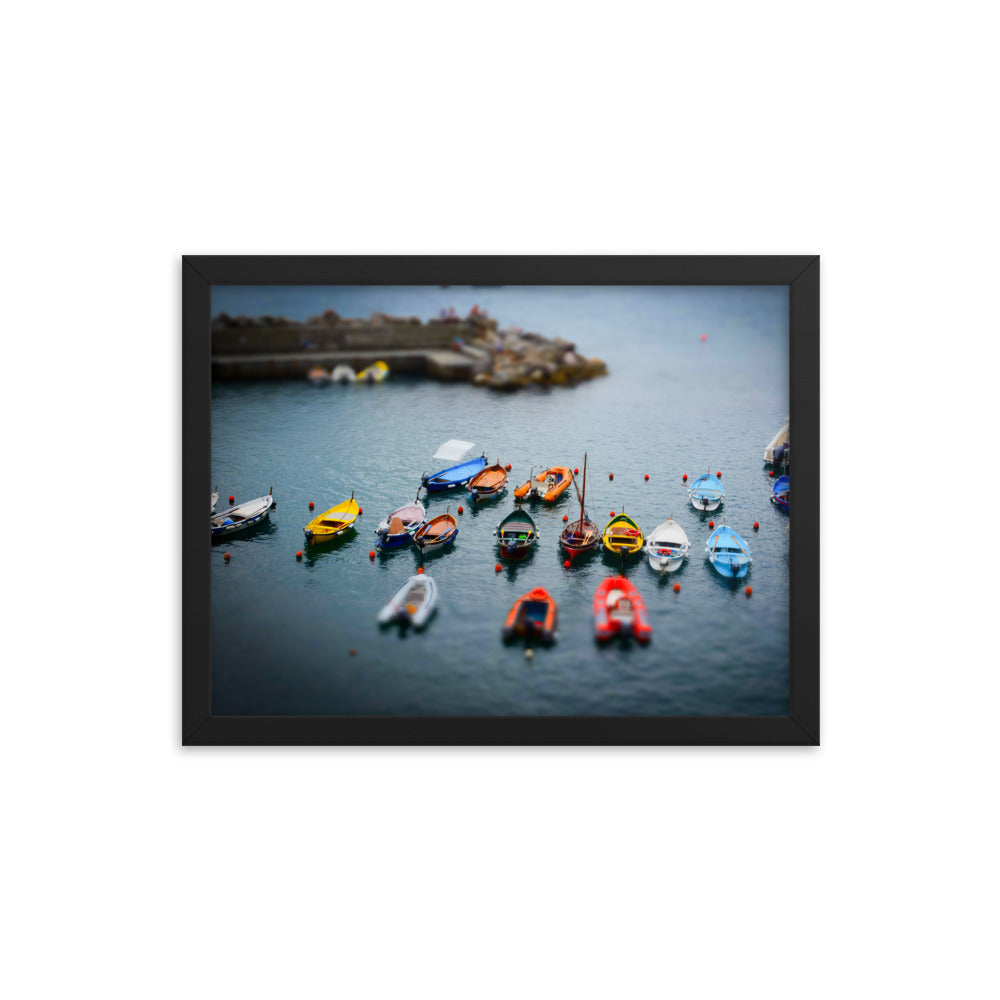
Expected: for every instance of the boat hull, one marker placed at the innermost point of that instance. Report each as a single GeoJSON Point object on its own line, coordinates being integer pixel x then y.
{"type": "Point", "coordinates": [240, 517]}
{"type": "Point", "coordinates": [436, 533]}
{"type": "Point", "coordinates": [622, 536]}
{"type": "Point", "coordinates": [332, 524]}
{"type": "Point", "coordinates": [412, 604]}
{"type": "Point", "coordinates": [533, 616]}
{"type": "Point", "coordinates": [620, 610]}
{"type": "Point", "coordinates": [667, 547]}
{"type": "Point", "coordinates": [728, 553]}
{"type": "Point", "coordinates": [454, 478]}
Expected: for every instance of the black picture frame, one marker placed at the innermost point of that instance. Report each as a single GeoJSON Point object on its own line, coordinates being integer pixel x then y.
{"type": "Point", "coordinates": [801, 727]}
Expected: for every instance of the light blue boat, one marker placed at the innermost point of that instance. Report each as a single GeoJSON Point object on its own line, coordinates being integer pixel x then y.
{"type": "Point", "coordinates": [454, 477]}
{"type": "Point", "coordinates": [728, 553]}
{"type": "Point", "coordinates": [706, 492]}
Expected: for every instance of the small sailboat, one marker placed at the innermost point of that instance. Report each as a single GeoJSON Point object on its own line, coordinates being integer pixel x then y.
{"type": "Point", "coordinates": [779, 493]}
{"type": "Point", "coordinates": [436, 533]}
{"type": "Point", "coordinates": [488, 484]}
{"type": "Point", "coordinates": [319, 376]}
{"type": "Point", "coordinates": [622, 535]}
{"type": "Point", "coordinates": [548, 485]}
{"type": "Point", "coordinates": [378, 372]}
{"type": "Point", "coordinates": [666, 546]}
{"type": "Point", "coordinates": [728, 552]}
{"type": "Point", "coordinates": [412, 604]}
{"type": "Point", "coordinates": [533, 616]}
{"type": "Point", "coordinates": [343, 373]}
{"type": "Point", "coordinates": [620, 610]}
{"type": "Point", "coordinates": [706, 492]}
{"type": "Point", "coordinates": [582, 535]}
{"type": "Point", "coordinates": [243, 515]}
{"type": "Point", "coordinates": [332, 523]}
{"type": "Point", "coordinates": [215, 499]}
{"type": "Point", "coordinates": [516, 534]}
{"type": "Point", "coordinates": [397, 529]}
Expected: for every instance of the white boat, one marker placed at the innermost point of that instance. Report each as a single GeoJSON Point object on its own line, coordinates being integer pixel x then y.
{"type": "Point", "coordinates": [243, 515]}
{"type": "Point", "coordinates": [666, 546]}
{"type": "Point", "coordinates": [453, 450]}
{"type": "Point", "coordinates": [779, 439]}
{"type": "Point", "coordinates": [412, 603]}
{"type": "Point", "coordinates": [215, 499]}
{"type": "Point", "coordinates": [343, 373]}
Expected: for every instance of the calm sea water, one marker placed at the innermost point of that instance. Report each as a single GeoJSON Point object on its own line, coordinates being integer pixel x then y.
{"type": "Point", "coordinates": [283, 631]}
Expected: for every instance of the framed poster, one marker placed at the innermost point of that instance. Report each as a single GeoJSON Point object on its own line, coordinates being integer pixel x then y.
{"type": "Point", "coordinates": [623, 573]}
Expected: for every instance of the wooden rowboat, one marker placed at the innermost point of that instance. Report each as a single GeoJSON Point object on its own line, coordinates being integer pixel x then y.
{"type": "Point", "coordinates": [582, 535]}
{"type": "Point", "coordinates": [397, 528]}
{"type": "Point", "coordinates": [243, 515]}
{"type": "Point", "coordinates": [622, 536]}
{"type": "Point", "coordinates": [489, 483]}
{"type": "Point", "coordinates": [516, 534]}
{"type": "Point", "coordinates": [436, 533]}
{"type": "Point", "coordinates": [532, 616]}
{"type": "Point", "coordinates": [728, 553]}
{"type": "Point", "coordinates": [332, 523]}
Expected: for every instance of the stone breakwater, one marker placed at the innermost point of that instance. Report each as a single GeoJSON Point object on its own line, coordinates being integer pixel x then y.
{"type": "Point", "coordinates": [472, 348]}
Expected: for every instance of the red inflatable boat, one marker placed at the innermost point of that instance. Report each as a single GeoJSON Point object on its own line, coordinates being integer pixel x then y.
{"type": "Point", "coordinates": [620, 610]}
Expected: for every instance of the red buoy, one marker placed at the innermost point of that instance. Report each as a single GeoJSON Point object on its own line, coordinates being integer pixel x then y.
{"type": "Point", "coordinates": [420, 570]}
{"type": "Point", "coordinates": [755, 526]}
{"type": "Point", "coordinates": [499, 567]}
{"type": "Point", "coordinates": [360, 512]}
{"type": "Point", "coordinates": [611, 475]}
{"type": "Point", "coordinates": [612, 514]}
{"type": "Point", "coordinates": [298, 555]}
{"type": "Point", "coordinates": [566, 564]}
{"type": "Point", "coordinates": [232, 499]}
{"type": "Point", "coordinates": [576, 472]}
{"type": "Point", "coordinates": [704, 336]}
{"type": "Point", "coordinates": [749, 591]}
{"type": "Point", "coordinates": [711, 524]}
{"type": "Point", "coordinates": [371, 555]}
{"type": "Point", "coordinates": [226, 557]}
{"type": "Point", "coordinates": [647, 475]}
{"type": "Point", "coordinates": [677, 588]}
{"type": "Point", "coordinates": [353, 652]}
{"type": "Point", "coordinates": [508, 466]}
{"type": "Point", "coordinates": [461, 509]}
{"type": "Point", "coordinates": [685, 477]}
{"type": "Point", "coordinates": [718, 475]}
{"type": "Point", "coordinates": [565, 517]}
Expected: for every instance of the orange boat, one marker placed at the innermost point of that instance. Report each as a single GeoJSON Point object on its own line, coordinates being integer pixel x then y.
{"type": "Point", "coordinates": [620, 610]}
{"type": "Point", "coordinates": [488, 483]}
{"type": "Point", "coordinates": [533, 616]}
{"type": "Point", "coordinates": [549, 485]}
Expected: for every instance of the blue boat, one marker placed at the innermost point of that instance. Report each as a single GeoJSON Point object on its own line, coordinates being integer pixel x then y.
{"type": "Point", "coordinates": [453, 478]}
{"type": "Point", "coordinates": [728, 552]}
{"type": "Point", "coordinates": [398, 528]}
{"type": "Point", "coordinates": [706, 492]}
{"type": "Point", "coordinates": [779, 493]}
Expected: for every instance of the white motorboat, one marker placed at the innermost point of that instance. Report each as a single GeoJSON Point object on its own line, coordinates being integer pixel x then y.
{"type": "Point", "coordinates": [413, 602]}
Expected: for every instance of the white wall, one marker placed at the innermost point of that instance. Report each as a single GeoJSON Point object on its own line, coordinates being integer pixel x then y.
{"type": "Point", "coordinates": [862, 132]}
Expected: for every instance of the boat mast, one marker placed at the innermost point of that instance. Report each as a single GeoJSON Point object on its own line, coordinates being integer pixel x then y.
{"type": "Point", "coordinates": [583, 496]}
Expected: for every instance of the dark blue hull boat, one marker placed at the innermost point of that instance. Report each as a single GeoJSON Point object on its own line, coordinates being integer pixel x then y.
{"type": "Point", "coordinates": [455, 477]}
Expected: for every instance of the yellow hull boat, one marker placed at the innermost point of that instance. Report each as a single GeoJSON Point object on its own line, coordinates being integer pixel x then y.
{"type": "Point", "coordinates": [622, 536]}
{"type": "Point", "coordinates": [377, 372]}
{"type": "Point", "coordinates": [333, 522]}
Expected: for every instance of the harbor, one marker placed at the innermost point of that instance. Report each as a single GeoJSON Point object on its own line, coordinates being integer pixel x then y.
{"type": "Point", "coordinates": [301, 635]}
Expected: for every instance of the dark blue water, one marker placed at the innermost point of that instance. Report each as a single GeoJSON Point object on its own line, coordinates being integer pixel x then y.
{"type": "Point", "coordinates": [283, 630]}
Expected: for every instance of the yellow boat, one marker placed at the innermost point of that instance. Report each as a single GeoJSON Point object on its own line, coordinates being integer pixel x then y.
{"type": "Point", "coordinates": [334, 522]}
{"type": "Point", "coordinates": [622, 536]}
{"type": "Point", "coordinates": [377, 372]}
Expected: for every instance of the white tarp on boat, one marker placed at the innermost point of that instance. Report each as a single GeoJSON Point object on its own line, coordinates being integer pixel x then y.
{"type": "Point", "coordinates": [454, 450]}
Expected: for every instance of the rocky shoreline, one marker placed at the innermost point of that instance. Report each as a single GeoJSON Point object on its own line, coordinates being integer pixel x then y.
{"type": "Point", "coordinates": [498, 358]}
